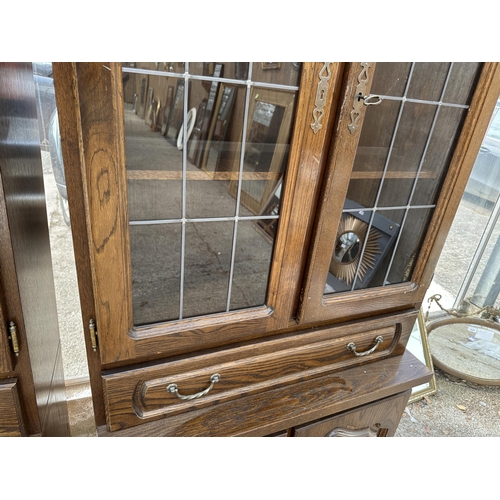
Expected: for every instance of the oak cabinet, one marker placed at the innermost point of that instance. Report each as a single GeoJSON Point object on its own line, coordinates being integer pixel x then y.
{"type": "Point", "coordinates": [282, 230]}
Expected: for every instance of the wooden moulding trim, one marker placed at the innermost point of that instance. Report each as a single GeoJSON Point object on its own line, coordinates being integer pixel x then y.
{"type": "Point", "coordinates": [101, 114]}
{"type": "Point", "coordinates": [283, 363]}
{"type": "Point", "coordinates": [308, 155]}
{"type": "Point", "coordinates": [67, 97]}
{"type": "Point", "coordinates": [369, 294]}
{"type": "Point", "coordinates": [290, 177]}
{"type": "Point", "coordinates": [201, 175]}
{"type": "Point", "coordinates": [464, 157]}
{"type": "Point", "coordinates": [6, 361]}
{"type": "Point", "coordinates": [337, 177]}
{"type": "Point", "coordinates": [285, 340]}
{"type": "Point", "coordinates": [11, 418]}
{"type": "Point", "coordinates": [277, 409]}
{"type": "Point", "coordinates": [213, 322]}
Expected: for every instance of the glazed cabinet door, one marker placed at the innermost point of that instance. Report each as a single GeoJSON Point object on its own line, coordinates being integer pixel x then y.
{"type": "Point", "coordinates": [405, 140]}
{"type": "Point", "coordinates": [191, 188]}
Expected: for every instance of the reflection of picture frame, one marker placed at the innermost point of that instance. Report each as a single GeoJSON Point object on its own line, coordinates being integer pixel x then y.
{"type": "Point", "coordinates": [143, 88]}
{"type": "Point", "coordinates": [241, 70]}
{"type": "Point", "coordinates": [271, 65]}
{"type": "Point", "coordinates": [177, 112]}
{"type": "Point", "coordinates": [267, 227]}
{"type": "Point", "coordinates": [208, 70]}
{"type": "Point", "coordinates": [193, 153]}
{"type": "Point", "coordinates": [218, 128]}
{"type": "Point", "coordinates": [167, 110]}
{"type": "Point", "coordinates": [209, 109]}
{"type": "Point", "coordinates": [267, 143]}
{"type": "Point", "coordinates": [155, 110]}
{"type": "Point", "coordinates": [419, 347]}
{"type": "Point", "coordinates": [149, 106]}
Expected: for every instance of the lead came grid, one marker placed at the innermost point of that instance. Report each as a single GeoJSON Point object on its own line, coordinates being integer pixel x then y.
{"type": "Point", "coordinates": [237, 217]}
{"type": "Point", "coordinates": [404, 99]}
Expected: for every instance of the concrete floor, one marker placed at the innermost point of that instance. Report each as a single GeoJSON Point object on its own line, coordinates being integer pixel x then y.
{"type": "Point", "coordinates": [457, 409]}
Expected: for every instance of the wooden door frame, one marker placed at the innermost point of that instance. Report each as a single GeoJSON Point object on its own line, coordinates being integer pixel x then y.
{"type": "Point", "coordinates": [89, 100]}
{"type": "Point", "coordinates": [315, 306]}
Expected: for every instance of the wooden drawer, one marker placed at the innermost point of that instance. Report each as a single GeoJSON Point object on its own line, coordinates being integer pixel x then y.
{"type": "Point", "coordinates": [379, 419]}
{"type": "Point", "coordinates": [11, 421]}
{"type": "Point", "coordinates": [143, 394]}
{"type": "Point", "coordinates": [292, 406]}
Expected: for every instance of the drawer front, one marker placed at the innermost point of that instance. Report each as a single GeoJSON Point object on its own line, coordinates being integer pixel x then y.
{"type": "Point", "coordinates": [11, 422]}
{"type": "Point", "coordinates": [378, 419]}
{"type": "Point", "coordinates": [154, 392]}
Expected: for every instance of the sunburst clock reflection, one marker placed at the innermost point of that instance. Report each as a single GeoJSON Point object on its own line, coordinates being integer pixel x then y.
{"type": "Point", "coordinates": [349, 244]}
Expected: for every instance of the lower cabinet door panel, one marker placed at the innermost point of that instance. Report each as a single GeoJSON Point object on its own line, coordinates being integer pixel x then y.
{"type": "Point", "coordinates": [379, 419]}
{"type": "Point", "coordinates": [149, 393]}
{"type": "Point", "coordinates": [11, 421]}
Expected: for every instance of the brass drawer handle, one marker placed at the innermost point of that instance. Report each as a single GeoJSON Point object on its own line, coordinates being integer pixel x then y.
{"type": "Point", "coordinates": [352, 347]}
{"type": "Point", "coordinates": [173, 389]}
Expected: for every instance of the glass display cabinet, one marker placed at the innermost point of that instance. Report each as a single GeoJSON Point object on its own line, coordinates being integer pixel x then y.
{"type": "Point", "coordinates": [253, 240]}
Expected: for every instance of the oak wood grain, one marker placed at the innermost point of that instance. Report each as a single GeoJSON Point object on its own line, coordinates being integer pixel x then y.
{"type": "Point", "coordinates": [301, 189]}
{"type": "Point", "coordinates": [101, 115]}
{"type": "Point", "coordinates": [98, 108]}
{"type": "Point", "coordinates": [277, 373]}
{"type": "Point", "coordinates": [378, 419]}
{"type": "Point", "coordinates": [334, 190]}
{"type": "Point", "coordinates": [11, 420]}
{"type": "Point", "coordinates": [272, 411]}
{"type": "Point", "coordinates": [67, 98]}
{"type": "Point", "coordinates": [135, 396]}
{"type": "Point", "coordinates": [201, 175]}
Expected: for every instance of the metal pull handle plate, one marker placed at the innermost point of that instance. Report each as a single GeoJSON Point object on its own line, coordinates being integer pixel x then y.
{"type": "Point", "coordinates": [361, 98]}
{"type": "Point", "coordinates": [173, 389]}
{"type": "Point", "coordinates": [352, 347]}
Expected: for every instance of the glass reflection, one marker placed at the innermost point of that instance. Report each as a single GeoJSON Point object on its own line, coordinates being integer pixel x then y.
{"type": "Point", "coordinates": [266, 149]}
{"type": "Point", "coordinates": [156, 255]}
{"type": "Point", "coordinates": [193, 251]}
{"type": "Point", "coordinates": [285, 73]}
{"type": "Point", "coordinates": [347, 247]}
{"type": "Point", "coordinates": [252, 263]}
{"type": "Point", "coordinates": [206, 267]}
{"type": "Point", "coordinates": [404, 151]}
